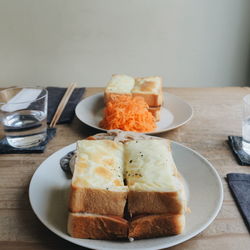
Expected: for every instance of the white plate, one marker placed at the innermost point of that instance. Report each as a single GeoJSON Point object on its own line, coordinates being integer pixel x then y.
{"type": "Point", "coordinates": [48, 193]}
{"type": "Point", "coordinates": [174, 113]}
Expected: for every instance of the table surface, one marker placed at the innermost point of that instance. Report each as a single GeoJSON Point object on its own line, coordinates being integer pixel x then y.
{"type": "Point", "coordinates": [217, 114]}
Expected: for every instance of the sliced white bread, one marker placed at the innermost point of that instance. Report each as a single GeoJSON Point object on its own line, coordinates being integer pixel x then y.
{"type": "Point", "coordinates": [94, 226]}
{"type": "Point", "coordinates": [151, 226]}
{"type": "Point", "coordinates": [156, 198]}
{"type": "Point", "coordinates": [152, 178]}
{"type": "Point", "coordinates": [119, 85]}
{"type": "Point", "coordinates": [150, 88]}
{"type": "Point", "coordinates": [97, 183]}
{"type": "Point", "coordinates": [156, 112]}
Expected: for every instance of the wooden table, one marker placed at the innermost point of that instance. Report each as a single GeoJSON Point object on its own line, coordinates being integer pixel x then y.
{"type": "Point", "coordinates": [217, 114]}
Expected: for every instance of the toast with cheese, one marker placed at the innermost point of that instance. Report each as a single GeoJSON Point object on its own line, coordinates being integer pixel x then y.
{"type": "Point", "coordinates": [97, 183]}
{"type": "Point", "coordinates": [94, 226]}
{"type": "Point", "coordinates": [150, 88]}
{"type": "Point", "coordinates": [152, 179]}
{"type": "Point", "coordinates": [154, 192]}
{"type": "Point", "coordinates": [119, 85]}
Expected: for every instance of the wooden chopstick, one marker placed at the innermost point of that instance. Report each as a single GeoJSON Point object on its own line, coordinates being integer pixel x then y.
{"type": "Point", "coordinates": [62, 104]}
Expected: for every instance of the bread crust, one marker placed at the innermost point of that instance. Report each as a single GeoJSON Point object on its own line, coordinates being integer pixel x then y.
{"type": "Point", "coordinates": [151, 99]}
{"type": "Point", "coordinates": [156, 112]}
{"type": "Point", "coordinates": [97, 201]}
{"type": "Point", "coordinates": [154, 214]}
{"type": "Point", "coordinates": [87, 226]}
{"type": "Point", "coordinates": [108, 96]}
{"type": "Point", "coordinates": [151, 226]}
{"type": "Point", "coordinates": [146, 202]}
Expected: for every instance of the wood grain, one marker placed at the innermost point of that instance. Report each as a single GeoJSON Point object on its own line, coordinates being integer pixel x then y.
{"type": "Point", "coordinates": [217, 114]}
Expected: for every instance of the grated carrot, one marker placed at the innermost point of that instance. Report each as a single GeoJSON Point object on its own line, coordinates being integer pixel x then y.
{"type": "Point", "coordinates": [129, 114]}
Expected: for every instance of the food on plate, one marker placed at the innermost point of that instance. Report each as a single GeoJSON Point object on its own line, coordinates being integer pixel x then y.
{"type": "Point", "coordinates": [95, 226]}
{"type": "Point", "coordinates": [149, 88]}
{"type": "Point", "coordinates": [97, 183]}
{"type": "Point", "coordinates": [151, 226]}
{"type": "Point", "coordinates": [156, 199]}
{"type": "Point", "coordinates": [152, 178]}
{"type": "Point", "coordinates": [156, 112]}
{"type": "Point", "coordinates": [152, 188]}
{"type": "Point", "coordinates": [119, 85]}
{"type": "Point", "coordinates": [129, 114]}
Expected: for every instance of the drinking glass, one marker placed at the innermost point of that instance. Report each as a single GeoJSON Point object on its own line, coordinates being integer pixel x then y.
{"type": "Point", "coordinates": [23, 115]}
{"type": "Point", "coordinates": [246, 124]}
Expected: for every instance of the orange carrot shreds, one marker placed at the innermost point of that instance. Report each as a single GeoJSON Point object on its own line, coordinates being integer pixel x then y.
{"type": "Point", "coordinates": [129, 114]}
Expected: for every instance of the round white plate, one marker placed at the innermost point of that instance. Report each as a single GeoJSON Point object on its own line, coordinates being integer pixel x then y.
{"type": "Point", "coordinates": [49, 187]}
{"type": "Point", "coordinates": [174, 113]}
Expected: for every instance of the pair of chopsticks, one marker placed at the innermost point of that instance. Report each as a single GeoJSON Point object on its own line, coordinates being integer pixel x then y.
{"type": "Point", "coordinates": [62, 104]}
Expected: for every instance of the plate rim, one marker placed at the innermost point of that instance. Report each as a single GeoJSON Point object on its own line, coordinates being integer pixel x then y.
{"type": "Point", "coordinates": [169, 128]}
{"type": "Point", "coordinates": [213, 215]}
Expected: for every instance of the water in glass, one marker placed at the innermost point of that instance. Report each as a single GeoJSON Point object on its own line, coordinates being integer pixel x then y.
{"type": "Point", "coordinates": [25, 128]}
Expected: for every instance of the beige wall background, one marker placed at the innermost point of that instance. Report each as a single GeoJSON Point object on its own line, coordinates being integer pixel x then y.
{"type": "Point", "coordinates": [188, 42]}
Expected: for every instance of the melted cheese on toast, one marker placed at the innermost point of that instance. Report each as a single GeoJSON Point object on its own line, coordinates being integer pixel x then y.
{"type": "Point", "coordinates": [148, 85]}
{"type": "Point", "coordinates": [99, 164]}
{"type": "Point", "coordinates": [120, 84]}
{"type": "Point", "coordinates": [149, 166]}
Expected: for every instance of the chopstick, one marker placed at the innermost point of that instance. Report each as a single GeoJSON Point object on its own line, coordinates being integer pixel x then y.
{"type": "Point", "coordinates": [62, 105]}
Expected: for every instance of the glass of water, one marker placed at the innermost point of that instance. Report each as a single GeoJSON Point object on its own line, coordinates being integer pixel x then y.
{"type": "Point", "coordinates": [23, 115]}
{"type": "Point", "coordinates": [246, 124]}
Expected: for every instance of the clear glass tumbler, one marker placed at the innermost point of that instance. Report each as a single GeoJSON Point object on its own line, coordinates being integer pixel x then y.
{"type": "Point", "coordinates": [246, 124]}
{"type": "Point", "coordinates": [23, 115]}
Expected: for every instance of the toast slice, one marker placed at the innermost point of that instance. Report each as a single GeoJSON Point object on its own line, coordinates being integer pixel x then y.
{"type": "Point", "coordinates": [151, 226]}
{"type": "Point", "coordinates": [152, 178]}
{"type": "Point", "coordinates": [94, 226]}
{"type": "Point", "coordinates": [118, 85]}
{"type": "Point", "coordinates": [97, 183]}
{"type": "Point", "coordinates": [156, 197]}
{"type": "Point", "coordinates": [156, 112]}
{"type": "Point", "coordinates": [150, 88]}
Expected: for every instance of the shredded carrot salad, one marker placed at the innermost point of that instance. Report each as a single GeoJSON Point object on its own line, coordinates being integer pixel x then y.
{"type": "Point", "coordinates": [129, 114]}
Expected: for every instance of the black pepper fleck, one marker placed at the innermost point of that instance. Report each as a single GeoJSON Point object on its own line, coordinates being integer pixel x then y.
{"type": "Point", "coordinates": [130, 161]}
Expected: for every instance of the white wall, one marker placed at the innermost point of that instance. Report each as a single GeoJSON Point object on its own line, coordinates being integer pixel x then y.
{"type": "Point", "coordinates": [188, 42]}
